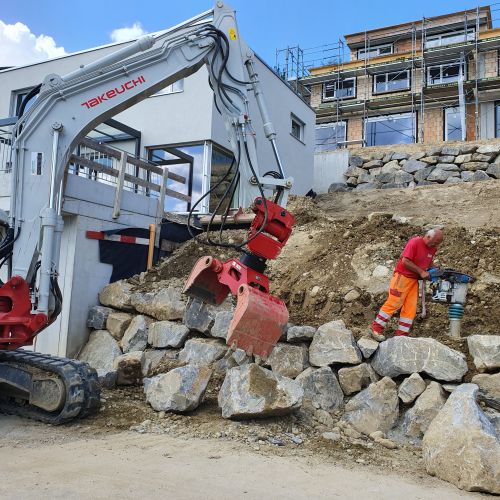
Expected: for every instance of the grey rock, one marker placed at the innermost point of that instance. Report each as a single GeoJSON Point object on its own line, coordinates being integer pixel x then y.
{"type": "Point", "coordinates": [446, 159]}
{"type": "Point", "coordinates": [97, 317]}
{"type": "Point", "coordinates": [354, 171]}
{"type": "Point", "coordinates": [479, 175]}
{"type": "Point", "coordinates": [135, 337]}
{"type": "Point", "coordinates": [334, 343]}
{"type": "Point", "coordinates": [425, 183]}
{"type": "Point", "coordinates": [107, 378]}
{"type": "Point", "coordinates": [448, 166]}
{"type": "Point", "coordinates": [300, 333]}
{"type": "Point", "coordinates": [167, 334]}
{"type": "Point", "coordinates": [367, 346]}
{"type": "Point", "coordinates": [352, 181]}
{"type": "Point", "coordinates": [402, 177]}
{"type": "Point", "coordinates": [366, 177]}
{"type": "Point", "coordinates": [221, 324]}
{"type": "Point", "coordinates": [352, 295]}
{"type": "Point", "coordinates": [494, 170]}
{"type": "Point", "coordinates": [100, 351]}
{"type": "Point", "coordinates": [489, 148]}
{"type": "Point", "coordinates": [466, 175]}
{"type": "Point", "coordinates": [375, 408]}
{"type": "Point", "coordinates": [451, 150]}
{"type": "Point", "coordinates": [322, 388]}
{"type": "Point", "coordinates": [117, 295]}
{"type": "Point", "coordinates": [440, 175]}
{"type": "Point", "coordinates": [417, 155]}
{"type": "Point", "coordinates": [165, 304]}
{"type": "Point", "coordinates": [407, 355]}
{"type": "Point", "coordinates": [461, 445]}
{"type": "Point", "coordinates": [373, 164]}
{"type": "Point", "coordinates": [232, 359]}
{"type": "Point", "coordinates": [430, 160]}
{"type": "Point", "coordinates": [355, 378]}
{"type": "Point", "coordinates": [355, 161]}
{"type": "Point", "coordinates": [180, 390]}
{"type": "Point", "coordinates": [399, 156]}
{"type": "Point", "coordinates": [422, 175]}
{"type": "Point", "coordinates": [199, 316]}
{"type": "Point", "coordinates": [454, 180]}
{"type": "Point", "coordinates": [288, 360]}
{"type": "Point", "coordinates": [117, 323]}
{"type": "Point", "coordinates": [482, 157]}
{"type": "Point", "coordinates": [332, 436]}
{"type": "Point", "coordinates": [338, 187]}
{"type": "Point", "coordinates": [475, 165]}
{"type": "Point", "coordinates": [251, 391]}
{"type": "Point", "coordinates": [411, 387]}
{"type": "Point", "coordinates": [129, 368]}
{"type": "Point", "coordinates": [433, 151]}
{"type": "Point", "coordinates": [467, 148]}
{"type": "Point", "coordinates": [154, 358]}
{"type": "Point", "coordinates": [412, 166]}
{"type": "Point", "coordinates": [419, 417]}
{"type": "Point", "coordinates": [485, 351]}
{"type": "Point", "coordinates": [489, 388]}
{"type": "Point", "coordinates": [202, 351]}
{"type": "Point", "coordinates": [367, 186]}
{"type": "Point", "coordinates": [463, 158]}
{"type": "Point", "coordinates": [386, 178]}
{"type": "Point", "coordinates": [390, 167]}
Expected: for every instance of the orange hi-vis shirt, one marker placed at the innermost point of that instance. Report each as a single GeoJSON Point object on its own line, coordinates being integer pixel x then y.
{"type": "Point", "coordinates": [419, 253]}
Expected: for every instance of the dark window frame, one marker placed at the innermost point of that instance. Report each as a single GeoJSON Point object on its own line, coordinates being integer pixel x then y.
{"type": "Point", "coordinates": [374, 91]}
{"type": "Point", "coordinates": [375, 47]}
{"type": "Point", "coordinates": [324, 125]}
{"type": "Point", "coordinates": [415, 120]}
{"type": "Point", "coordinates": [335, 83]}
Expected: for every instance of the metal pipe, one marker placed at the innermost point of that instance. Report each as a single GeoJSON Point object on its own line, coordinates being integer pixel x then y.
{"type": "Point", "coordinates": [53, 166]}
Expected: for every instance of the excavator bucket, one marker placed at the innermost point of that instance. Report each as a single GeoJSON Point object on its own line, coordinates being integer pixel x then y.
{"type": "Point", "coordinates": [203, 281]}
{"type": "Point", "coordinates": [258, 322]}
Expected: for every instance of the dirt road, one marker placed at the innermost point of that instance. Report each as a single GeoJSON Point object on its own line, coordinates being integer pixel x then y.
{"type": "Point", "coordinates": [65, 462]}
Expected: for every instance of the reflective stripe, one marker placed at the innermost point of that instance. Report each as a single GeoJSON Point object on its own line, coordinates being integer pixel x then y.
{"type": "Point", "coordinates": [403, 328]}
{"type": "Point", "coordinates": [380, 322]}
{"type": "Point", "coordinates": [383, 315]}
{"type": "Point", "coordinates": [405, 320]}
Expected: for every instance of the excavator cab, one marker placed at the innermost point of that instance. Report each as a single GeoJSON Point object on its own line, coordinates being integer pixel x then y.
{"type": "Point", "coordinates": [260, 318]}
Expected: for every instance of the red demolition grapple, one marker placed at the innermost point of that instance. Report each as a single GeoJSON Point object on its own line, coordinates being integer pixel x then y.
{"type": "Point", "coordinates": [260, 318]}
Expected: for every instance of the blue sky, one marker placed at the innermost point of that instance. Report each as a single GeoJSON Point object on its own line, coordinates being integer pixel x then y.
{"type": "Point", "coordinates": [266, 25]}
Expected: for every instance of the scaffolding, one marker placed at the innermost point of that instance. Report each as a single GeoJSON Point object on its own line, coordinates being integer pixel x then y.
{"type": "Point", "coordinates": [429, 44]}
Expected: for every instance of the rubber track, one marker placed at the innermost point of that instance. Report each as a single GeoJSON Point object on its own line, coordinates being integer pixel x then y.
{"type": "Point", "coordinates": [80, 380]}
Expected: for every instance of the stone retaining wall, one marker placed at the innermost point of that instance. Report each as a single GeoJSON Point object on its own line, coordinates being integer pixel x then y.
{"type": "Point", "coordinates": [447, 164]}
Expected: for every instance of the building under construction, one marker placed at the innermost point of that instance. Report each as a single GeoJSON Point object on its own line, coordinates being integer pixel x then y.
{"type": "Point", "coordinates": [432, 80]}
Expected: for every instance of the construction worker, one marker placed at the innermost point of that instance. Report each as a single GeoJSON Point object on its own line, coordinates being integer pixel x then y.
{"type": "Point", "coordinates": [403, 290]}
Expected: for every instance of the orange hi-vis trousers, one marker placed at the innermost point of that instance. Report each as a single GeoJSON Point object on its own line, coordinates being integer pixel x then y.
{"type": "Point", "coordinates": [403, 294]}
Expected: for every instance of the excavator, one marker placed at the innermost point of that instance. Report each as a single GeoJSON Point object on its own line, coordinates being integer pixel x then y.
{"type": "Point", "coordinates": [66, 107]}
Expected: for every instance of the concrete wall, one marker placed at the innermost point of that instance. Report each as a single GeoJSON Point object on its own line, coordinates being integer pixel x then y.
{"type": "Point", "coordinates": [329, 167]}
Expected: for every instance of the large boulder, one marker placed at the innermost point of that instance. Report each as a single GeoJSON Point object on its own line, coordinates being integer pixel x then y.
{"type": "Point", "coordinates": [117, 323]}
{"type": "Point", "coordinates": [367, 346]}
{"type": "Point", "coordinates": [221, 324]}
{"type": "Point", "coordinates": [485, 350]}
{"type": "Point", "coordinates": [97, 317]}
{"type": "Point", "coordinates": [199, 316]}
{"type": "Point", "coordinates": [461, 445]}
{"type": "Point", "coordinates": [167, 334]}
{"type": "Point", "coordinates": [406, 355]}
{"type": "Point", "coordinates": [354, 378]}
{"type": "Point", "coordinates": [375, 408]}
{"type": "Point", "coordinates": [419, 417]}
{"type": "Point", "coordinates": [100, 351]}
{"type": "Point", "coordinates": [156, 357]}
{"type": "Point", "coordinates": [251, 391]}
{"type": "Point", "coordinates": [202, 352]}
{"type": "Point", "coordinates": [321, 388]}
{"type": "Point", "coordinates": [135, 337]}
{"type": "Point", "coordinates": [334, 343]}
{"type": "Point", "coordinates": [179, 390]}
{"type": "Point", "coordinates": [165, 304]}
{"type": "Point", "coordinates": [129, 368]}
{"type": "Point", "coordinates": [300, 333]}
{"type": "Point", "coordinates": [117, 295]}
{"type": "Point", "coordinates": [288, 360]}
{"type": "Point", "coordinates": [489, 388]}
{"type": "Point", "coordinates": [411, 388]}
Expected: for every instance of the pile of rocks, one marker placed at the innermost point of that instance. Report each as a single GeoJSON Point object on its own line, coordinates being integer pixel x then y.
{"type": "Point", "coordinates": [437, 165]}
{"type": "Point", "coordinates": [396, 391]}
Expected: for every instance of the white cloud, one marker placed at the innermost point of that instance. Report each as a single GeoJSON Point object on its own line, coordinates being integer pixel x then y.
{"type": "Point", "coordinates": [128, 33]}
{"type": "Point", "coordinates": [21, 46]}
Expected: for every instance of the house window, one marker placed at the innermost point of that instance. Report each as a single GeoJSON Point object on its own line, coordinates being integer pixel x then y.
{"type": "Point", "coordinates": [390, 129]}
{"type": "Point", "coordinates": [391, 82]}
{"type": "Point", "coordinates": [497, 119]}
{"type": "Point", "coordinates": [297, 128]}
{"type": "Point", "coordinates": [339, 89]}
{"type": "Point", "coordinates": [378, 50]}
{"type": "Point", "coordinates": [449, 38]}
{"type": "Point", "coordinates": [452, 125]}
{"type": "Point", "coordinates": [17, 99]}
{"type": "Point", "coordinates": [173, 88]}
{"type": "Point", "coordinates": [444, 73]}
{"type": "Point", "coordinates": [219, 167]}
{"type": "Point", "coordinates": [329, 135]}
